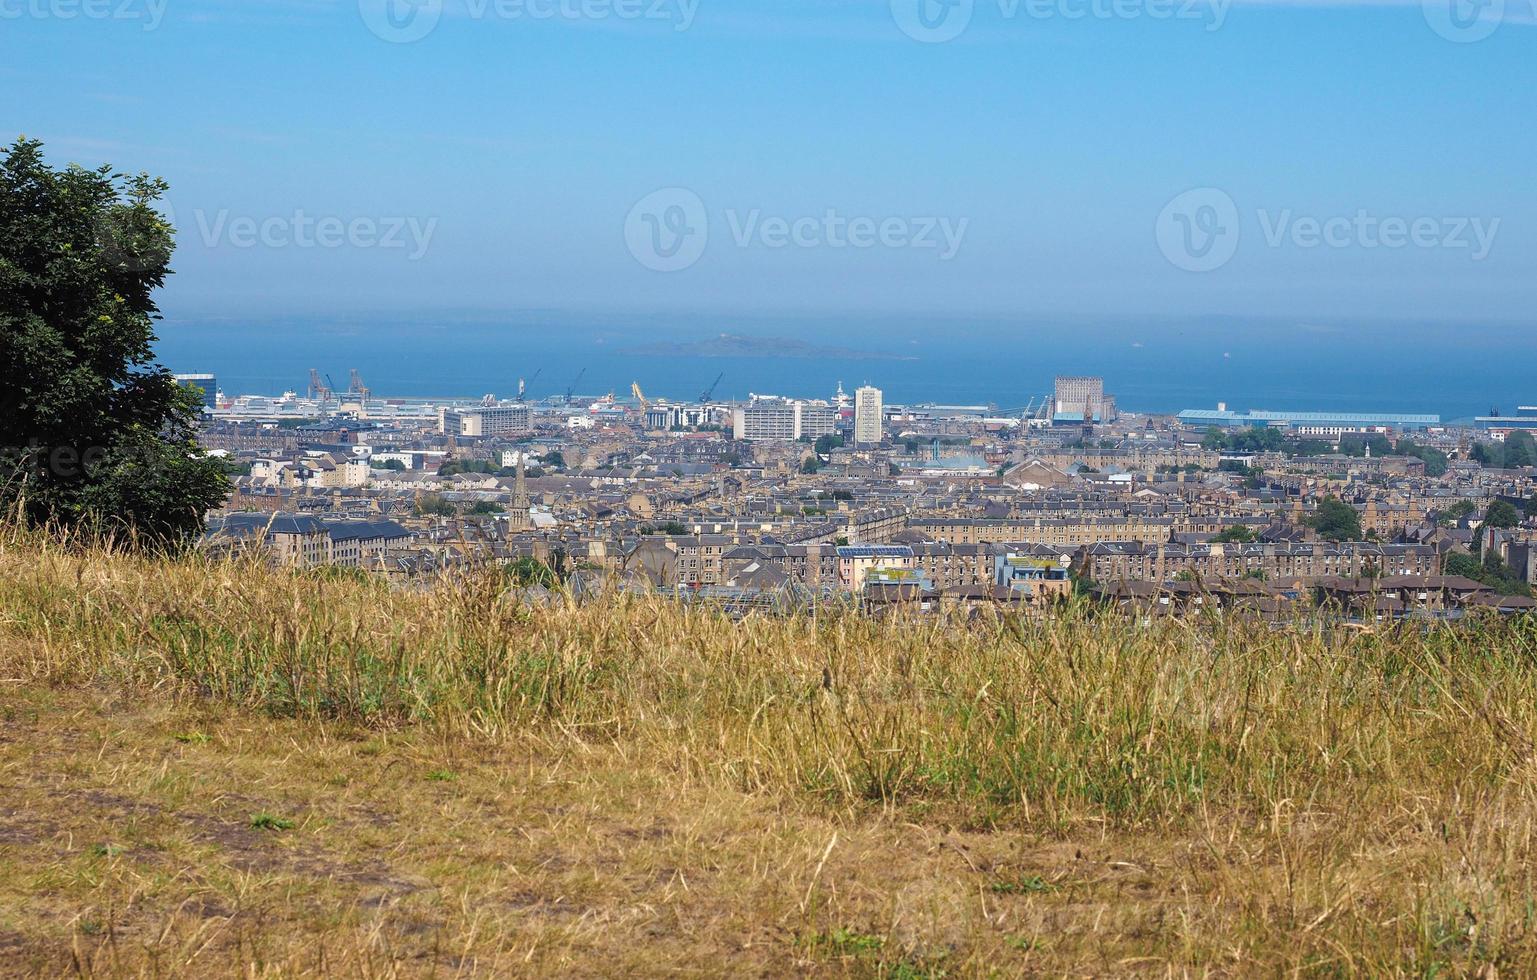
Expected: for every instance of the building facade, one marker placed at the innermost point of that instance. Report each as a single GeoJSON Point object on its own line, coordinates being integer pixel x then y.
{"type": "Point", "coordinates": [782, 420]}
{"type": "Point", "coordinates": [500, 420]}
{"type": "Point", "coordinates": [869, 429]}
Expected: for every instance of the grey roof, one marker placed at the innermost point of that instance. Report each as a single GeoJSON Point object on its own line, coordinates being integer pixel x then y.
{"type": "Point", "coordinates": [366, 530]}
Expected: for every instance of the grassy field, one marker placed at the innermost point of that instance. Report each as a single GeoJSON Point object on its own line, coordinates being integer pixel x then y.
{"type": "Point", "coordinates": [211, 770]}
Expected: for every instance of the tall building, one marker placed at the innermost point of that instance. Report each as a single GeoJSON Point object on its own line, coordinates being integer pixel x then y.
{"type": "Point", "coordinates": [207, 384]}
{"type": "Point", "coordinates": [1082, 400]}
{"type": "Point", "coordinates": [868, 427]}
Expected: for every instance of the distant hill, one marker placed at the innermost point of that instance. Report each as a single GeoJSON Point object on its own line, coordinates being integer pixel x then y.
{"type": "Point", "coordinates": [731, 345]}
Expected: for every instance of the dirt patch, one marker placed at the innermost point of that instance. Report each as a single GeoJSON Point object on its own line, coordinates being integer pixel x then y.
{"type": "Point", "coordinates": [18, 828]}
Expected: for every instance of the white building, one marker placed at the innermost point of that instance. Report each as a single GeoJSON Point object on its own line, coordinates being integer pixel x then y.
{"type": "Point", "coordinates": [782, 420]}
{"type": "Point", "coordinates": [868, 422]}
{"type": "Point", "coordinates": [497, 420]}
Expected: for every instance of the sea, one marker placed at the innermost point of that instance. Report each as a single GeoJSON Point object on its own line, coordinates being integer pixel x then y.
{"type": "Point", "coordinates": [1151, 364]}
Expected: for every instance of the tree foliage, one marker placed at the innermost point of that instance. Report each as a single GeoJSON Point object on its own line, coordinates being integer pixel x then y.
{"type": "Point", "coordinates": [1237, 534]}
{"type": "Point", "coordinates": [1435, 460]}
{"type": "Point", "coordinates": [1491, 571]}
{"type": "Point", "coordinates": [1518, 449]}
{"type": "Point", "coordinates": [529, 571]}
{"type": "Point", "coordinates": [434, 505]}
{"type": "Point", "coordinates": [1455, 513]}
{"type": "Point", "coordinates": [1502, 513]}
{"type": "Point", "coordinates": [1336, 520]}
{"type": "Point", "coordinates": [92, 430]}
{"type": "Point", "coordinates": [1255, 439]}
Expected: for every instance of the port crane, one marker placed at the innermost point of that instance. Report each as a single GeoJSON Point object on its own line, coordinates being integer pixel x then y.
{"type": "Point", "coordinates": [640, 396]}
{"type": "Point", "coordinates": [571, 388]}
{"type": "Point", "coordinates": [709, 392]}
{"type": "Point", "coordinates": [523, 385]}
{"type": "Point", "coordinates": [357, 387]}
{"type": "Point", "coordinates": [319, 389]}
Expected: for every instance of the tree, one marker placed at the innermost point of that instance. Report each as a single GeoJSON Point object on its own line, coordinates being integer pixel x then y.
{"type": "Point", "coordinates": [1312, 447]}
{"type": "Point", "coordinates": [1520, 450]}
{"type": "Point", "coordinates": [827, 443]}
{"type": "Point", "coordinates": [1358, 445]}
{"type": "Point", "coordinates": [1336, 520]}
{"type": "Point", "coordinates": [1456, 512]}
{"type": "Point", "coordinates": [528, 571]}
{"type": "Point", "coordinates": [670, 529]}
{"type": "Point", "coordinates": [454, 467]}
{"type": "Point", "coordinates": [1257, 439]}
{"type": "Point", "coordinates": [1502, 513]}
{"type": "Point", "coordinates": [433, 505]}
{"type": "Point", "coordinates": [1488, 454]}
{"type": "Point", "coordinates": [1464, 564]}
{"type": "Point", "coordinates": [1491, 571]}
{"type": "Point", "coordinates": [1435, 459]}
{"type": "Point", "coordinates": [1237, 534]}
{"type": "Point", "coordinates": [94, 432]}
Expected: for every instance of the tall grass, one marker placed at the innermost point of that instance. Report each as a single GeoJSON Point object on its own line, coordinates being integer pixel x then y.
{"type": "Point", "coordinates": [1055, 722]}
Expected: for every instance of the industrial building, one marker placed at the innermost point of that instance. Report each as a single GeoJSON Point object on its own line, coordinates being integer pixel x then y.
{"type": "Point", "coordinates": [1315, 421]}
{"type": "Point", "coordinates": [1524, 419]}
{"type": "Point", "coordinates": [1082, 400]}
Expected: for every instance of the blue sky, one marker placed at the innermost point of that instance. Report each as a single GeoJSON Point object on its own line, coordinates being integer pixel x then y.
{"type": "Point", "coordinates": [1027, 166]}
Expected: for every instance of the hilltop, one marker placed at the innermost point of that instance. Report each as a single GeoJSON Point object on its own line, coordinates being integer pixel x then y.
{"type": "Point", "coordinates": [221, 769]}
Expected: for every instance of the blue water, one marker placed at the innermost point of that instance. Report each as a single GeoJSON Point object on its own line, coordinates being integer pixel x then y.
{"type": "Point", "coordinates": [1152, 364]}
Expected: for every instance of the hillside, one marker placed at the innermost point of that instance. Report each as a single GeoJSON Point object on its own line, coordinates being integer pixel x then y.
{"type": "Point", "coordinates": [220, 770]}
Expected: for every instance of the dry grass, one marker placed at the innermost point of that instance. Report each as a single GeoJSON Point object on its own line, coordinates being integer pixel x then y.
{"type": "Point", "coordinates": [221, 769]}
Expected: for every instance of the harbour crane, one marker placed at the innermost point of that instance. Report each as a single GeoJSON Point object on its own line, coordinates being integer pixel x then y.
{"type": "Point", "coordinates": [357, 387]}
{"type": "Point", "coordinates": [571, 388]}
{"type": "Point", "coordinates": [318, 387]}
{"type": "Point", "coordinates": [640, 396]}
{"type": "Point", "coordinates": [523, 385]}
{"type": "Point", "coordinates": [709, 392]}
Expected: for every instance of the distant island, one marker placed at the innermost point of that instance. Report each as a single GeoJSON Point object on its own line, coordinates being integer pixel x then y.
{"type": "Point", "coordinates": [730, 345]}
